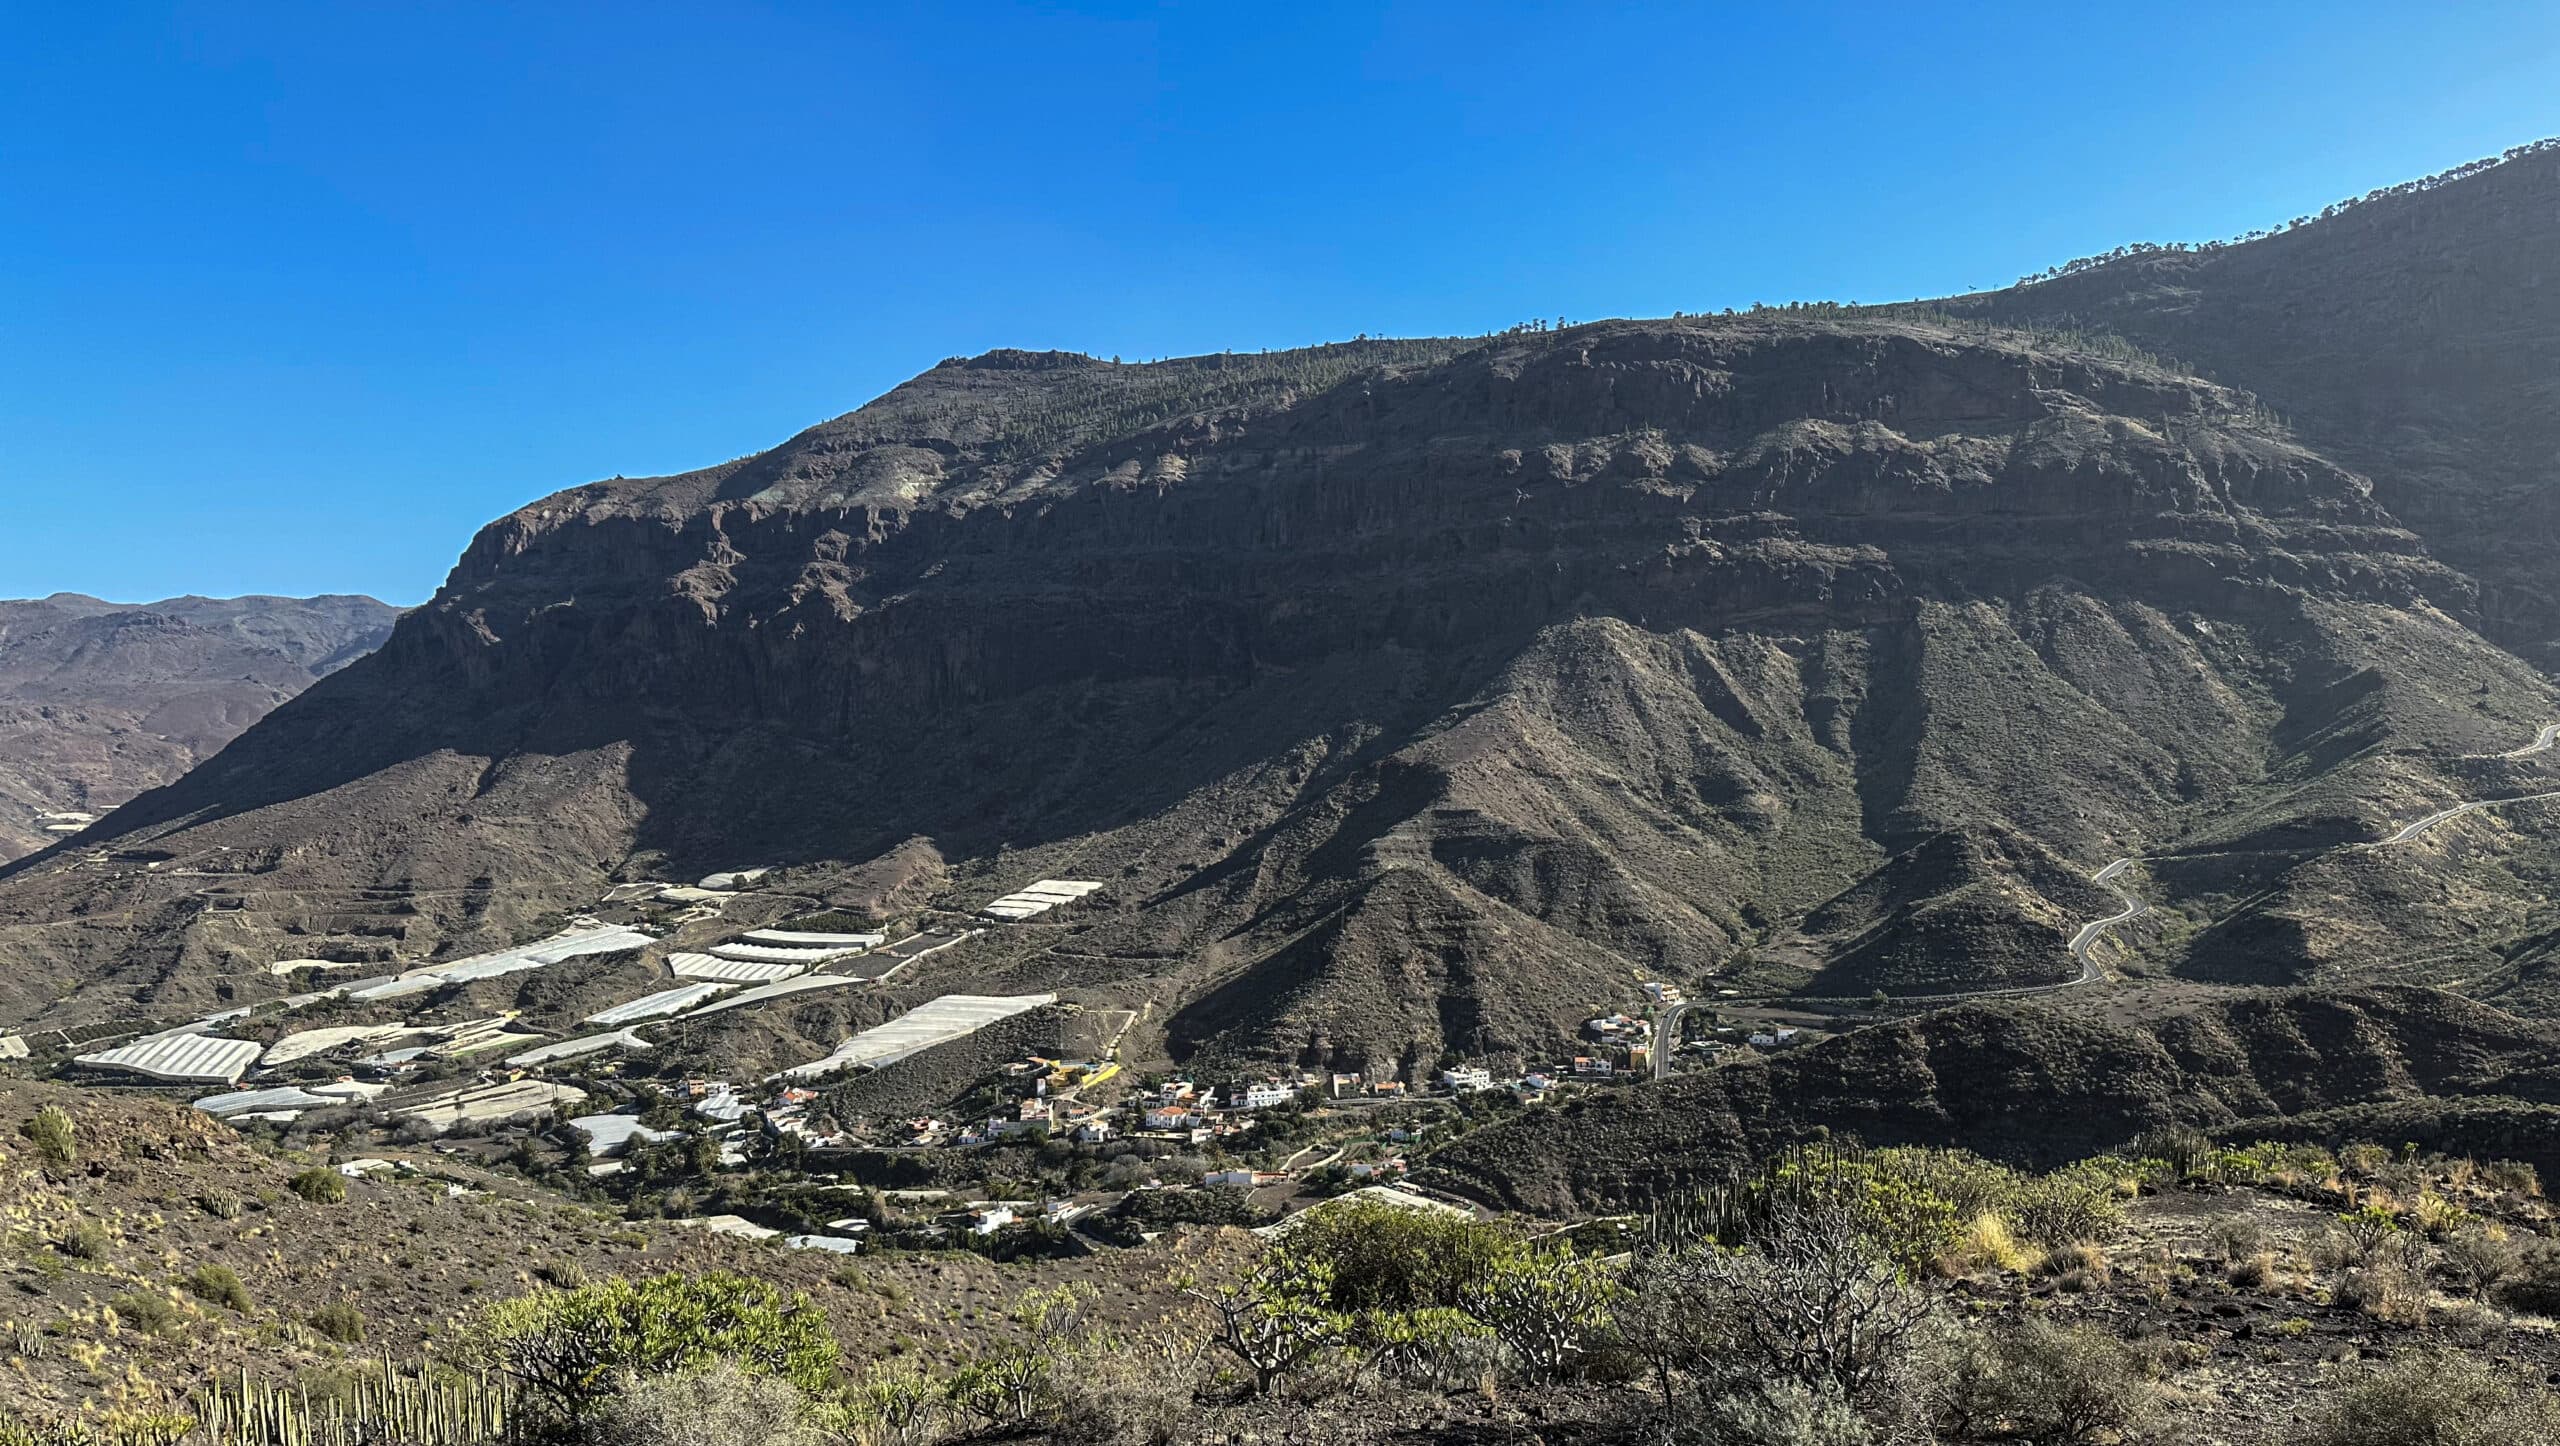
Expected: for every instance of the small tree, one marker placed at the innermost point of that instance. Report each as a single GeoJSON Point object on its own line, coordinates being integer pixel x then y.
{"type": "Point", "coordinates": [1544, 1307]}
{"type": "Point", "coordinates": [1275, 1318]}
{"type": "Point", "coordinates": [1813, 1301]}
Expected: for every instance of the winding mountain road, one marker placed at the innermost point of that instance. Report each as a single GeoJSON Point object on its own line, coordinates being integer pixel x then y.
{"type": "Point", "coordinates": [2542, 743]}
{"type": "Point", "coordinates": [2086, 941]}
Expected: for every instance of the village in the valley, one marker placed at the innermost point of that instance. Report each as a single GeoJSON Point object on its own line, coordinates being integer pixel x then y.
{"type": "Point", "coordinates": [1043, 1151]}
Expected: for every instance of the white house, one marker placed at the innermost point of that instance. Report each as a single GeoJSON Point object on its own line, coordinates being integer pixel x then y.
{"type": "Point", "coordinates": [1467, 1078]}
{"type": "Point", "coordinates": [1266, 1094]}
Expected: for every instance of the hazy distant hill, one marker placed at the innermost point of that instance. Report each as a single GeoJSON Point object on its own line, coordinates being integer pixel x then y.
{"type": "Point", "coordinates": [99, 700]}
{"type": "Point", "coordinates": [1419, 696]}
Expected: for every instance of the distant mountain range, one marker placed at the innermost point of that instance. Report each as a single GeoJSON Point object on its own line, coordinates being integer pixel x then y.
{"type": "Point", "coordinates": [100, 701]}
{"type": "Point", "coordinates": [1418, 697]}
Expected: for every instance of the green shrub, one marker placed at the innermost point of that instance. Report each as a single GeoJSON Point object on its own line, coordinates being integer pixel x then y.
{"type": "Point", "coordinates": [2447, 1398]}
{"type": "Point", "coordinates": [219, 1285]}
{"type": "Point", "coordinates": [88, 1240]}
{"type": "Point", "coordinates": [569, 1349]}
{"type": "Point", "coordinates": [1379, 1257]}
{"type": "Point", "coordinates": [339, 1321]}
{"type": "Point", "coordinates": [894, 1404]}
{"type": "Point", "coordinates": [220, 1204]}
{"type": "Point", "coordinates": [148, 1311]}
{"type": "Point", "coordinates": [53, 1135]}
{"type": "Point", "coordinates": [1544, 1306]}
{"type": "Point", "coordinates": [2181, 1147]}
{"type": "Point", "coordinates": [320, 1185]}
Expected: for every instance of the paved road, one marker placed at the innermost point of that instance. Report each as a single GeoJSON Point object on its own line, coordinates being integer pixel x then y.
{"type": "Point", "coordinates": [2543, 742]}
{"type": "Point", "coordinates": [2409, 831]}
{"type": "Point", "coordinates": [1666, 1038]}
{"type": "Point", "coordinates": [2086, 941]}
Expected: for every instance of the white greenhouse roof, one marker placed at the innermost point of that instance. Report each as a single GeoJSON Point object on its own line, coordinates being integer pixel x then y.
{"type": "Point", "coordinates": [190, 1057]}
{"type": "Point", "coordinates": [568, 944]}
{"type": "Point", "coordinates": [664, 1002]}
{"type": "Point", "coordinates": [840, 941]}
{"type": "Point", "coordinates": [490, 1102]}
{"type": "Point", "coordinates": [247, 1102]}
{"type": "Point", "coordinates": [780, 954]}
{"type": "Point", "coordinates": [572, 1048]}
{"type": "Point", "coordinates": [779, 989]}
{"type": "Point", "coordinates": [612, 1134]}
{"type": "Point", "coordinates": [839, 1244]}
{"type": "Point", "coordinates": [320, 1041]}
{"type": "Point", "coordinates": [734, 971]}
{"type": "Point", "coordinates": [937, 1021]}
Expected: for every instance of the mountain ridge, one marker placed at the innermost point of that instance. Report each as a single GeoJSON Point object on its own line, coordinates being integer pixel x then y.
{"type": "Point", "coordinates": [1416, 696]}
{"type": "Point", "coordinates": [100, 700]}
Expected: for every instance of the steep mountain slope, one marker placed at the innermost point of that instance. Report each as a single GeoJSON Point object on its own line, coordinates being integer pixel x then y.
{"type": "Point", "coordinates": [1410, 696]}
{"type": "Point", "coordinates": [2414, 335]}
{"type": "Point", "coordinates": [1419, 696]}
{"type": "Point", "coordinates": [2035, 1083]}
{"type": "Point", "coordinates": [100, 701]}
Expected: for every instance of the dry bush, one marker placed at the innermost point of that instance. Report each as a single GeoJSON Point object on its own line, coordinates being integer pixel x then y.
{"type": "Point", "coordinates": [2076, 1268]}
{"type": "Point", "coordinates": [720, 1404]}
{"type": "Point", "coordinates": [1784, 1413]}
{"type": "Point", "coordinates": [1989, 1244]}
{"type": "Point", "coordinates": [2535, 1286]}
{"type": "Point", "coordinates": [2443, 1399]}
{"type": "Point", "coordinates": [1812, 1313]}
{"type": "Point", "coordinates": [2389, 1287]}
{"type": "Point", "coordinates": [2051, 1383]}
{"type": "Point", "coordinates": [2234, 1237]}
{"type": "Point", "coordinates": [1125, 1393]}
{"type": "Point", "coordinates": [2481, 1256]}
{"type": "Point", "coordinates": [2252, 1273]}
{"type": "Point", "coordinates": [2514, 1176]}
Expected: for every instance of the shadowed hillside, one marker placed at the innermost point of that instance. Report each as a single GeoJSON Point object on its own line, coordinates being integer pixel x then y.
{"type": "Point", "coordinates": [1416, 697]}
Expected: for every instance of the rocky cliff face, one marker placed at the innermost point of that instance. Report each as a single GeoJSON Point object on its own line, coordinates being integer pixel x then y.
{"type": "Point", "coordinates": [1414, 696]}
{"type": "Point", "coordinates": [100, 701]}
{"type": "Point", "coordinates": [2415, 336]}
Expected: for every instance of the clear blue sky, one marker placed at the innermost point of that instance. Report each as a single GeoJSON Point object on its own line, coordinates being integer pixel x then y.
{"type": "Point", "coordinates": [294, 297]}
